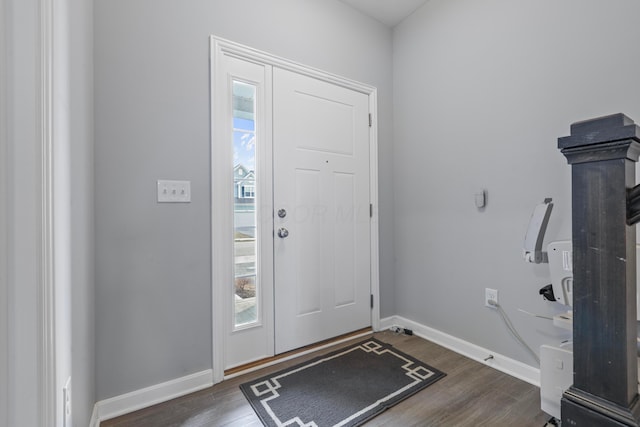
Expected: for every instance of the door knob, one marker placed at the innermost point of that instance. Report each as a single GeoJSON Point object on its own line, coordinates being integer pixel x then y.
{"type": "Point", "coordinates": [282, 213]}
{"type": "Point", "coordinates": [283, 232]}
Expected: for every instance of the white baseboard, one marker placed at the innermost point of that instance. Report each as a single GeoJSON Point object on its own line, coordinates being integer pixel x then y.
{"type": "Point", "coordinates": [94, 422]}
{"type": "Point", "coordinates": [129, 402]}
{"type": "Point", "coordinates": [502, 363]}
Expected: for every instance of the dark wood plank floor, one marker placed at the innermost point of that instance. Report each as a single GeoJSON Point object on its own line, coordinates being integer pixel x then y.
{"type": "Point", "coordinates": [470, 395]}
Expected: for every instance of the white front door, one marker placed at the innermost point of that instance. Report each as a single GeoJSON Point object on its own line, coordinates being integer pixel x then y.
{"type": "Point", "coordinates": [286, 137]}
{"type": "Point", "coordinates": [322, 250]}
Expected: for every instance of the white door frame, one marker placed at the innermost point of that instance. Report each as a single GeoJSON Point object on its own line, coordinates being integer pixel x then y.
{"type": "Point", "coordinates": [27, 298]}
{"type": "Point", "coordinates": [220, 47]}
{"type": "Point", "coordinates": [51, 393]}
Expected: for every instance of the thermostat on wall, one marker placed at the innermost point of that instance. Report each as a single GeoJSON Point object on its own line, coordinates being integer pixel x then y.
{"type": "Point", "coordinates": [481, 199]}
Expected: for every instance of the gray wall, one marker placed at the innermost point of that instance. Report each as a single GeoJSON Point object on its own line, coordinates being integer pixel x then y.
{"type": "Point", "coordinates": [81, 243]}
{"type": "Point", "coordinates": [153, 262]}
{"type": "Point", "coordinates": [4, 249]}
{"type": "Point", "coordinates": [482, 90]}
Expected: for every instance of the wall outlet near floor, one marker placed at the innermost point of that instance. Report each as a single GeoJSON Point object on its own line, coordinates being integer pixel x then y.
{"type": "Point", "coordinates": [66, 402]}
{"type": "Point", "coordinates": [490, 295]}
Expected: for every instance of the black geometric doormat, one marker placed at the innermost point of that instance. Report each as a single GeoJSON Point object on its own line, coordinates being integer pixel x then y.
{"type": "Point", "coordinates": [344, 388]}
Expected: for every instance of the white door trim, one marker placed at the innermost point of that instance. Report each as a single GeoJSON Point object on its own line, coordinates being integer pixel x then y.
{"type": "Point", "coordinates": [47, 334]}
{"type": "Point", "coordinates": [249, 54]}
{"type": "Point", "coordinates": [221, 47]}
{"type": "Point", "coordinates": [27, 287]}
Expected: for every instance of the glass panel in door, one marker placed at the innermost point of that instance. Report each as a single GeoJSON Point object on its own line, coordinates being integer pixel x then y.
{"type": "Point", "coordinates": [246, 312]}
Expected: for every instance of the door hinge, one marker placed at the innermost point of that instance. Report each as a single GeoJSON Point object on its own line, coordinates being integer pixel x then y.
{"type": "Point", "coordinates": [371, 300]}
{"type": "Point", "coordinates": [370, 210]}
{"type": "Point", "coordinates": [370, 120]}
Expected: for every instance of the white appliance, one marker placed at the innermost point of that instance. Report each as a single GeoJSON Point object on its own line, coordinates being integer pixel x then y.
{"type": "Point", "coordinates": [556, 362]}
{"type": "Point", "coordinates": [556, 375]}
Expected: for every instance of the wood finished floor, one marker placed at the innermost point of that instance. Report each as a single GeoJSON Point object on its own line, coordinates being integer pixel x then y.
{"type": "Point", "coordinates": [470, 395]}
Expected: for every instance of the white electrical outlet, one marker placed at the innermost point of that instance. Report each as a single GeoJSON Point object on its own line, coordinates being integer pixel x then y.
{"type": "Point", "coordinates": [490, 295]}
{"type": "Point", "coordinates": [66, 402]}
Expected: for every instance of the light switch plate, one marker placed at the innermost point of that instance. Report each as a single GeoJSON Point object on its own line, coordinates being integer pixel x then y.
{"type": "Point", "coordinates": [174, 191]}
